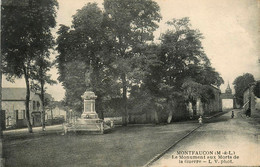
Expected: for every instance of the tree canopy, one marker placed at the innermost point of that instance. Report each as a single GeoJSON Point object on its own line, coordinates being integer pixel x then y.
{"type": "Point", "coordinates": [131, 24]}
{"type": "Point", "coordinates": [182, 59]}
{"type": "Point", "coordinates": [26, 33]}
{"type": "Point", "coordinates": [106, 43]}
{"type": "Point", "coordinates": [86, 44]}
{"type": "Point", "coordinates": [257, 89]}
{"type": "Point", "coordinates": [183, 70]}
{"type": "Point", "coordinates": [26, 36]}
{"type": "Point", "coordinates": [116, 57]}
{"type": "Point", "coordinates": [240, 84]}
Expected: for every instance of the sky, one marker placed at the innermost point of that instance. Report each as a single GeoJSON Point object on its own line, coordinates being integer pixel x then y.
{"type": "Point", "coordinates": [230, 29]}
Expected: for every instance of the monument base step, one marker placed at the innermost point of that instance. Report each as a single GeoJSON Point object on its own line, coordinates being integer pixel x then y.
{"type": "Point", "coordinates": [87, 128]}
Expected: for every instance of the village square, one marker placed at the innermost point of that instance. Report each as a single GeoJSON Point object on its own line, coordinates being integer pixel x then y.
{"type": "Point", "coordinates": [127, 83]}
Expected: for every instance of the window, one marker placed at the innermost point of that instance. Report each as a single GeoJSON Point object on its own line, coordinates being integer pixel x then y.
{"type": "Point", "coordinates": [21, 114]}
{"type": "Point", "coordinates": [38, 105]}
{"type": "Point", "coordinates": [24, 116]}
{"type": "Point", "coordinates": [34, 105]}
{"type": "Point", "coordinates": [16, 114]}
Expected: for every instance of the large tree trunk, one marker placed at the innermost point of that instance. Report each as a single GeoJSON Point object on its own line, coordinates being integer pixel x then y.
{"type": "Point", "coordinates": [101, 114]}
{"type": "Point", "coordinates": [52, 116]}
{"type": "Point", "coordinates": [43, 105]}
{"type": "Point", "coordinates": [27, 111]}
{"type": "Point", "coordinates": [101, 110]}
{"type": "Point", "coordinates": [125, 112]}
{"type": "Point", "coordinates": [99, 107]}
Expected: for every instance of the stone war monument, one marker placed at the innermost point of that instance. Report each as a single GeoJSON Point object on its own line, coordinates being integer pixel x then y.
{"type": "Point", "coordinates": [89, 112]}
{"type": "Point", "coordinates": [89, 121]}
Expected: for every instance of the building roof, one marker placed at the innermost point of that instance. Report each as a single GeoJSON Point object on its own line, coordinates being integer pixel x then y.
{"type": "Point", "coordinates": [228, 93]}
{"type": "Point", "coordinates": [15, 94]}
{"type": "Point", "coordinates": [228, 89]}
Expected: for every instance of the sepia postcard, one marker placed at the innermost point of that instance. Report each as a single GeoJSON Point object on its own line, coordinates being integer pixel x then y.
{"type": "Point", "coordinates": [127, 83]}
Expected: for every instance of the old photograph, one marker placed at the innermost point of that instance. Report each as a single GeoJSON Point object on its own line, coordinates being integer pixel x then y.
{"type": "Point", "coordinates": [129, 83]}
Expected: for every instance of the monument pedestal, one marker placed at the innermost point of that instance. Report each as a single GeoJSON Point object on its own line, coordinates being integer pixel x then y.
{"type": "Point", "coordinates": [89, 121]}
{"type": "Point", "coordinates": [89, 105]}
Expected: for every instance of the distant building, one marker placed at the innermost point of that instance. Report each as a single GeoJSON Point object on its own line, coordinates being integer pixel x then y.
{"type": "Point", "coordinates": [227, 99]}
{"type": "Point", "coordinates": [55, 113]}
{"type": "Point", "coordinates": [13, 107]}
{"type": "Point", "coordinates": [251, 100]}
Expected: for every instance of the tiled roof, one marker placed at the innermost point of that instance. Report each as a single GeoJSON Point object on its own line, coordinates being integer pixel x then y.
{"type": "Point", "coordinates": [14, 94]}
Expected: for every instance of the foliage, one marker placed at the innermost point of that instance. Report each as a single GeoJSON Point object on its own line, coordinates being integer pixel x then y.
{"type": "Point", "coordinates": [26, 35]}
{"type": "Point", "coordinates": [116, 58]}
{"type": "Point", "coordinates": [257, 89]}
{"type": "Point", "coordinates": [42, 66]}
{"type": "Point", "coordinates": [85, 44]}
{"type": "Point", "coordinates": [184, 67]}
{"type": "Point", "coordinates": [131, 24]}
{"type": "Point", "coordinates": [106, 42]}
{"type": "Point", "coordinates": [192, 90]}
{"type": "Point", "coordinates": [182, 72]}
{"type": "Point", "coordinates": [240, 84]}
{"type": "Point", "coordinates": [141, 101]}
{"type": "Point", "coordinates": [48, 100]}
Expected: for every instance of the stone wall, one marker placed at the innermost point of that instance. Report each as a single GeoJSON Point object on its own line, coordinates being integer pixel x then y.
{"type": "Point", "coordinates": [214, 105]}
{"type": "Point", "coordinates": [179, 113]}
{"type": "Point", "coordinates": [251, 100]}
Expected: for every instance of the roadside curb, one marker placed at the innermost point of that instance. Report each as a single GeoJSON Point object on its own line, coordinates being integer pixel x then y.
{"type": "Point", "coordinates": [158, 156]}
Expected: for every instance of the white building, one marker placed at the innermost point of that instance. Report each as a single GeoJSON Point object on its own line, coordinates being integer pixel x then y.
{"type": "Point", "coordinates": [13, 107]}
{"type": "Point", "coordinates": [227, 99]}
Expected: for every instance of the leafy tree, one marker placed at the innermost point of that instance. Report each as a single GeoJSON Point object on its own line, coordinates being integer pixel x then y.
{"type": "Point", "coordinates": [26, 34]}
{"type": "Point", "coordinates": [105, 42]}
{"type": "Point", "coordinates": [257, 89]}
{"type": "Point", "coordinates": [183, 68]}
{"type": "Point", "coordinates": [49, 103]}
{"type": "Point", "coordinates": [131, 24]}
{"type": "Point", "coordinates": [87, 45]}
{"type": "Point", "coordinates": [42, 66]}
{"type": "Point", "coordinates": [192, 90]}
{"type": "Point", "coordinates": [141, 101]}
{"type": "Point", "coordinates": [240, 84]}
